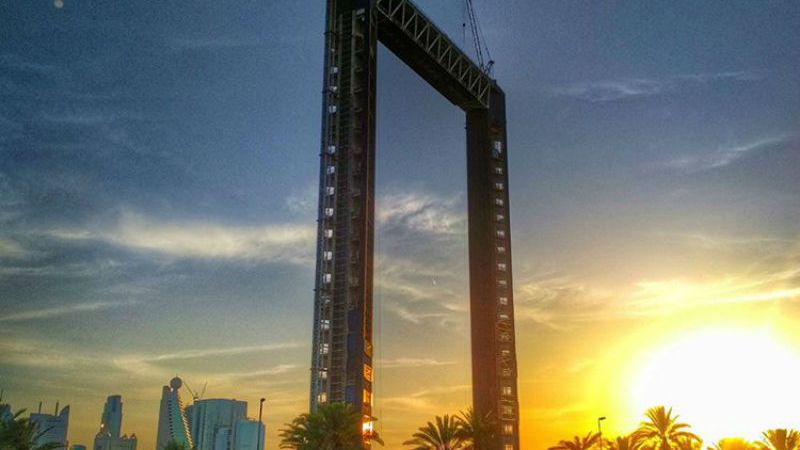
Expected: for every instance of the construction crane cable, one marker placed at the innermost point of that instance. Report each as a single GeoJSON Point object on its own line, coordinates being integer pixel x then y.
{"type": "Point", "coordinates": [482, 54]}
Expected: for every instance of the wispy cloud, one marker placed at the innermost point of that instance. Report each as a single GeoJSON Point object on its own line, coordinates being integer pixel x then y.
{"type": "Point", "coordinates": [562, 302]}
{"type": "Point", "coordinates": [633, 88]}
{"type": "Point", "coordinates": [186, 239]}
{"type": "Point", "coordinates": [276, 370]}
{"type": "Point", "coordinates": [11, 249]}
{"type": "Point", "coordinates": [304, 201]}
{"type": "Point", "coordinates": [419, 211]}
{"type": "Point", "coordinates": [57, 311]}
{"type": "Point", "coordinates": [228, 351]}
{"type": "Point", "coordinates": [424, 400]}
{"type": "Point", "coordinates": [723, 156]}
{"type": "Point", "coordinates": [150, 364]}
{"type": "Point", "coordinates": [411, 363]}
{"type": "Point", "coordinates": [607, 91]}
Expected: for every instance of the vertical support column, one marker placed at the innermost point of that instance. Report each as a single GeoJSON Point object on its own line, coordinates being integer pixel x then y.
{"type": "Point", "coordinates": [342, 348]}
{"type": "Point", "coordinates": [494, 366]}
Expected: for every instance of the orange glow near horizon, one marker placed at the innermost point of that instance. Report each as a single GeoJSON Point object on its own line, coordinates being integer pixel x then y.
{"type": "Point", "coordinates": [724, 382]}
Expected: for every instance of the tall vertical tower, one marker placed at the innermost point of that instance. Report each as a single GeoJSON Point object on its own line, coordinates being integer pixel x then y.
{"type": "Point", "coordinates": [172, 423]}
{"type": "Point", "coordinates": [342, 349]}
{"type": "Point", "coordinates": [341, 361]}
{"type": "Point", "coordinates": [111, 421]}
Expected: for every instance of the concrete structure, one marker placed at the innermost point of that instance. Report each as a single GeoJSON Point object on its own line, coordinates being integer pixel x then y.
{"type": "Point", "coordinates": [172, 424]}
{"type": "Point", "coordinates": [212, 422]}
{"type": "Point", "coordinates": [341, 362]}
{"type": "Point", "coordinates": [246, 435]}
{"type": "Point", "coordinates": [54, 427]}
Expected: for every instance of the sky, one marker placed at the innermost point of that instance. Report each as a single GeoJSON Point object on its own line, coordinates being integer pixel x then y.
{"type": "Point", "coordinates": [158, 176]}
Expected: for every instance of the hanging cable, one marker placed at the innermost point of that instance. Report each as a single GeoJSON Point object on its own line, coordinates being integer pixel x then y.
{"type": "Point", "coordinates": [485, 61]}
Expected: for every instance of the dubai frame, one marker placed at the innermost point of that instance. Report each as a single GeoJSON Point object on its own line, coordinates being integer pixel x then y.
{"type": "Point", "coordinates": [341, 363]}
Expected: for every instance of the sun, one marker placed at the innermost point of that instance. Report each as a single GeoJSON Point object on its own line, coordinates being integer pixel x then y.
{"type": "Point", "coordinates": [724, 382]}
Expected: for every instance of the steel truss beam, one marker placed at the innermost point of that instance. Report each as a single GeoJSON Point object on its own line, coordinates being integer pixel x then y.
{"type": "Point", "coordinates": [435, 49]}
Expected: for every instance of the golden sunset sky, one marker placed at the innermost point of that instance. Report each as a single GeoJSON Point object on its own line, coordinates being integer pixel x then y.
{"type": "Point", "coordinates": [158, 176]}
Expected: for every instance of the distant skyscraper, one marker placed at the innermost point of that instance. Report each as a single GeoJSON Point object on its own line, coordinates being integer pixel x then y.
{"type": "Point", "coordinates": [53, 427]}
{"type": "Point", "coordinates": [108, 438]}
{"type": "Point", "coordinates": [212, 422]}
{"type": "Point", "coordinates": [172, 424]}
{"type": "Point", "coordinates": [111, 421]}
{"type": "Point", "coordinates": [246, 435]}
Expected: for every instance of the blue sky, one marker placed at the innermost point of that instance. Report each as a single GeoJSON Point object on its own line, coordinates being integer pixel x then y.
{"type": "Point", "coordinates": [158, 169]}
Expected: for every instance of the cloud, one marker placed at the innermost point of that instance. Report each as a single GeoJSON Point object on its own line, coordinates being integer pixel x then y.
{"type": "Point", "coordinates": [11, 249]}
{"type": "Point", "coordinates": [276, 370]}
{"type": "Point", "coordinates": [420, 212]}
{"type": "Point", "coordinates": [411, 363]}
{"type": "Point", "coordinates": [633, 88]}
{"type": "Point", "coordinates": [228, 351]}
{"type": "Point", "coordinates": [423, 401]}
{"type": "Point", "coordinates": [185, 239]}
{"type": "Point", "coordinates": [24, 352]}
{"type": "Point", "coordinates": [303, 202]}
{"type": "Point", "coordinates": [149, 364]}
{"type": "Point", "coordinates": [562, 302]}
{"type": "Point", "coordinates": [57, 311]}
{"type": "Point", "coordinates": [608, 91]}
{"type": "Point", "coordinates": [721, 157]}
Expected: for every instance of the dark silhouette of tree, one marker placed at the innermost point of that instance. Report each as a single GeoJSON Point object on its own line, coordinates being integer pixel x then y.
{"type": "Point", "coordinates": [627, 442]}
{"type": "Point", "coordinates": [662, 431]}
{"type": "Point", "coordinates": [19, 433]}
{"type": "Point", "coordinates": [780, 439]}
{"type": "Point", "coordinates": [333, 426]}
{"type": "Point", "coordinates": [445, 434]}
{"type": "Point", "coordinates": [733, 444]}
{"type": "Point", "coordinates": [686, 443]}
{"type": "Point", "coordinates": [476, 430]}
{"type": "Point", "coordinates": [172, 444]}
{"type": "Point", "coordinates": [578, 443]}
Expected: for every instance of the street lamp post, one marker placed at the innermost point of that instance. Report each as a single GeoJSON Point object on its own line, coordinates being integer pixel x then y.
{"type": "Point", "coordinates": [259, 445]}
{"type": "Point", "coordinates": [600, 430]}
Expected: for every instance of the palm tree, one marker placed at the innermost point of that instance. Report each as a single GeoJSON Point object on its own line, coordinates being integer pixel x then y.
{"type": "Point", "coordinates": [780, 439]}
{"type": "Point", "coordinates": [733, 444]}
{"type": "Point", "coordinates": [333, 426]}
{"type": "Point", "coordinates": [446, 434]}
{"type": "Point", "coordinates": [19, 433]}
{"type": "Point", "coordinates": [662, 431]}
{"type": "Point", "coordinates": [578, 443]}
{"type": "Point", "coordinates": [627, 442]}
{"type": "Point", "coordinates": [477, 431]}
{"type": "Point", "coordinates": [686, 443]}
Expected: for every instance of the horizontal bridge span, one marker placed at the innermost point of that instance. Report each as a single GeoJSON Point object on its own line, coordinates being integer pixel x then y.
{"type": "Point", "coordinates": [410, 35]}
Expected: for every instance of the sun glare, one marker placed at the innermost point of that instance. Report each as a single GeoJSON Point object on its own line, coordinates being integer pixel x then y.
{"type": "Point", "coordinates": [723, 382]}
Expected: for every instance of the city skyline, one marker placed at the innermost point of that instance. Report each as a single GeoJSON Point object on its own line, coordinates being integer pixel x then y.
{"type": "Point", "coordinates": [158, 188]}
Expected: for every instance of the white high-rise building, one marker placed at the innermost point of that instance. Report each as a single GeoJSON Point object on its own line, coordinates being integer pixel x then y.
{"type": "Point", "coordinates": [53, 427]}
{"type": "Point", "coordinates": [172, 423]}
{"type": "Point", "coordinates": [212, 422]}
{"type": "Point", "coordinates": [247, 435]}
